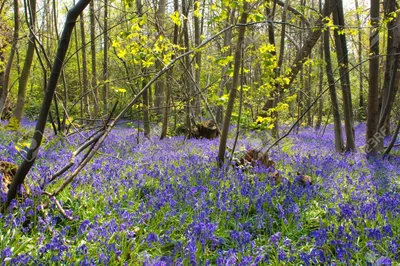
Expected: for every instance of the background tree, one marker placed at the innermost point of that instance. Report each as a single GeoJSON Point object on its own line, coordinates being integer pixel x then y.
{"type": "Point", "coordinates": [30, 14]}
{"type": "Point", "coordinates": [235, 84]}
{"type": "Point", "coordinates": [6, 72]}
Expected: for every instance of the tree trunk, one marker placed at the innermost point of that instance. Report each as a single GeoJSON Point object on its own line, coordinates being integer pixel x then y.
{"type": "Point", "coordinates": [94, 63]}
{"type": "Point", "coordinates": [309, 92]}
{"type": "Point", "coordinates": [159, 86]}
{"type": "Point", "coordinates": [235, 84]}
{"type": "Point", "coordinates": [224, 78]}
{"type": "Point", "coordinates": [169, 80]}
{"type": "Point", "coordinates": [23, 81]}
{"type": "Point", "coordinates": [78, 63]}
{"type": "Point", "coordinates": [305, 50]}
{"type": "Point", "coordinates": [28, 162]}
{"type": "Point", "coordinates": [373, 91]}
{"type": "Point", "coordinates": [105, 59]}
{"type": "Point", "coordinates": [339, 144]}
{"type": "Point", "coordinates": [61, 125]}
{"type": "Point", "coordinates": [188, 67]}
{"type": "Point", "coordinates": [391, 81]}
{"type": "Point", "coordinates": [360, 67]}
{"type": "Point", "coordinates": [343, 61]}
{"type": "Point", "coordinates": [84, 68]}
{"type": "Point", "coordinates": [321, 81]}
{"type": "Point", "coordinates": [7, 71]}
{"type": "Point", "coordinates": [197, 41]}
{"type": "Point", "coordinates": [271, 101]}
{"type": "Point", "coordinates": [278, 70]}
{"type": "Point", "coordinates": [146, 119]}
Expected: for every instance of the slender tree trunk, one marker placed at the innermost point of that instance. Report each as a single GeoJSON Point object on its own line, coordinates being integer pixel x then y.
{"type": "Point", "coordinates": [78, 63]}
{"type": "Point", "coordinates": [235, 84]}
{"type": "Point", "coordinates": [7, 71]}
{"type": "Point", "coordinates": [339, 144]}
{"type": "Point", "coordinates": [160, 84]}
{"type": "Point", "coordinates": [393, 141]}
{"type": "Point", "coordinates": [61, 125]}
{"type": "Point", "coordinates": [188, 66]}
{"type": "Point", "coordinates": [373, 91]}
{"type": "Point", "coordinates": [272, 97]}
{"type": "Point", "coordinates": [105, 59]}
{"type": "Point", "coordinates": [94, 86]}
{"type": "Point", "coordinates": [343, 61]}
{"type": "Point", "coordinates": [23, 81]}
{"type": "Point", "coordinates": [197, 41]}
{"type": "Point", "coordinates": [321, 81]}
{"type": "Point", "coordinates": [146, 118]}
{"type": "Point", "coordinates": [309, 92]}
{"type": "Point", "coordinates": [309, 43]}
{"type": "Point", "coordinates": [391, 81]}
{"type": "Point", "coordinates": [224, 78]}
{"type": "Point", "coordinates": [170, 80]}
{"type": "Point", "coordinates": [84, 68]}
{"type": "Point", "coordinates": [278, 70]}
{"type": "Point", "coordinates": [360, 68]}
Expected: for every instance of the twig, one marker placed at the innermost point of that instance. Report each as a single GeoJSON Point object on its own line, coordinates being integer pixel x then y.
{"type": "Point", "coordinates": [60, 208]}
{"type": "Point", "coordinates": [392, 142]}
{"type": "Point", "coordinates": [74, 154]}
{"type": "Point", "coordinates": [309, 107]}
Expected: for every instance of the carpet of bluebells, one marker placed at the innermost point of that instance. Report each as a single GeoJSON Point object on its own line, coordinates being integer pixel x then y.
{"type": "Point", "coordinates": [167, 203]}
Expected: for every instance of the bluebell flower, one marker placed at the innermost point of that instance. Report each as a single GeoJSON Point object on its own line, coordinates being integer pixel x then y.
{"type": "Point", "coordinates": [384, 261]}
{"type": "Point", "coordinates": [275, 238]}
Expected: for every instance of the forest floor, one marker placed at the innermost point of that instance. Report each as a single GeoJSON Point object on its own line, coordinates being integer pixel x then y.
{"type": "Point", "coordinates": [167, 203]}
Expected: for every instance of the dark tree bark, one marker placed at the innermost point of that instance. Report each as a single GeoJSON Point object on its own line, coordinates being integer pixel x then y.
{"type": "Point", "coordinates": [28, 162]}
{"type": "Point", "coordinates": [343, 61]}
{"type": "Point", "coordinates": [339, 144]}
{"type": "Point", "coordinates": [394, 138]}
{"type": "Point", "coordinates": [373, 91]}
{"type": "Point", "coordinates": [321, 81]}
{"type": "Point", "coordinates": [391, 81]}
{"type": "Point", "coordinates": [235, 84]}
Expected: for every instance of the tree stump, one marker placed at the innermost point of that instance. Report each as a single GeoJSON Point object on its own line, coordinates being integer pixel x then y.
{"type": "Point", "coordinates": [252, 156]}
{"type": "Point", "coordinates": [8, 171]}
{"type": "Point", "coordinates": [207, 129]}
{"type": "Point", "coordinates": [7, 111]}
{"type": "Point", "coordinates": [304, 179]}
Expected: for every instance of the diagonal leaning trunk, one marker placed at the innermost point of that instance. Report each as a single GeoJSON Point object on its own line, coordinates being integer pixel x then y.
{"type": "Point", "coordinates": [28, 162]}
